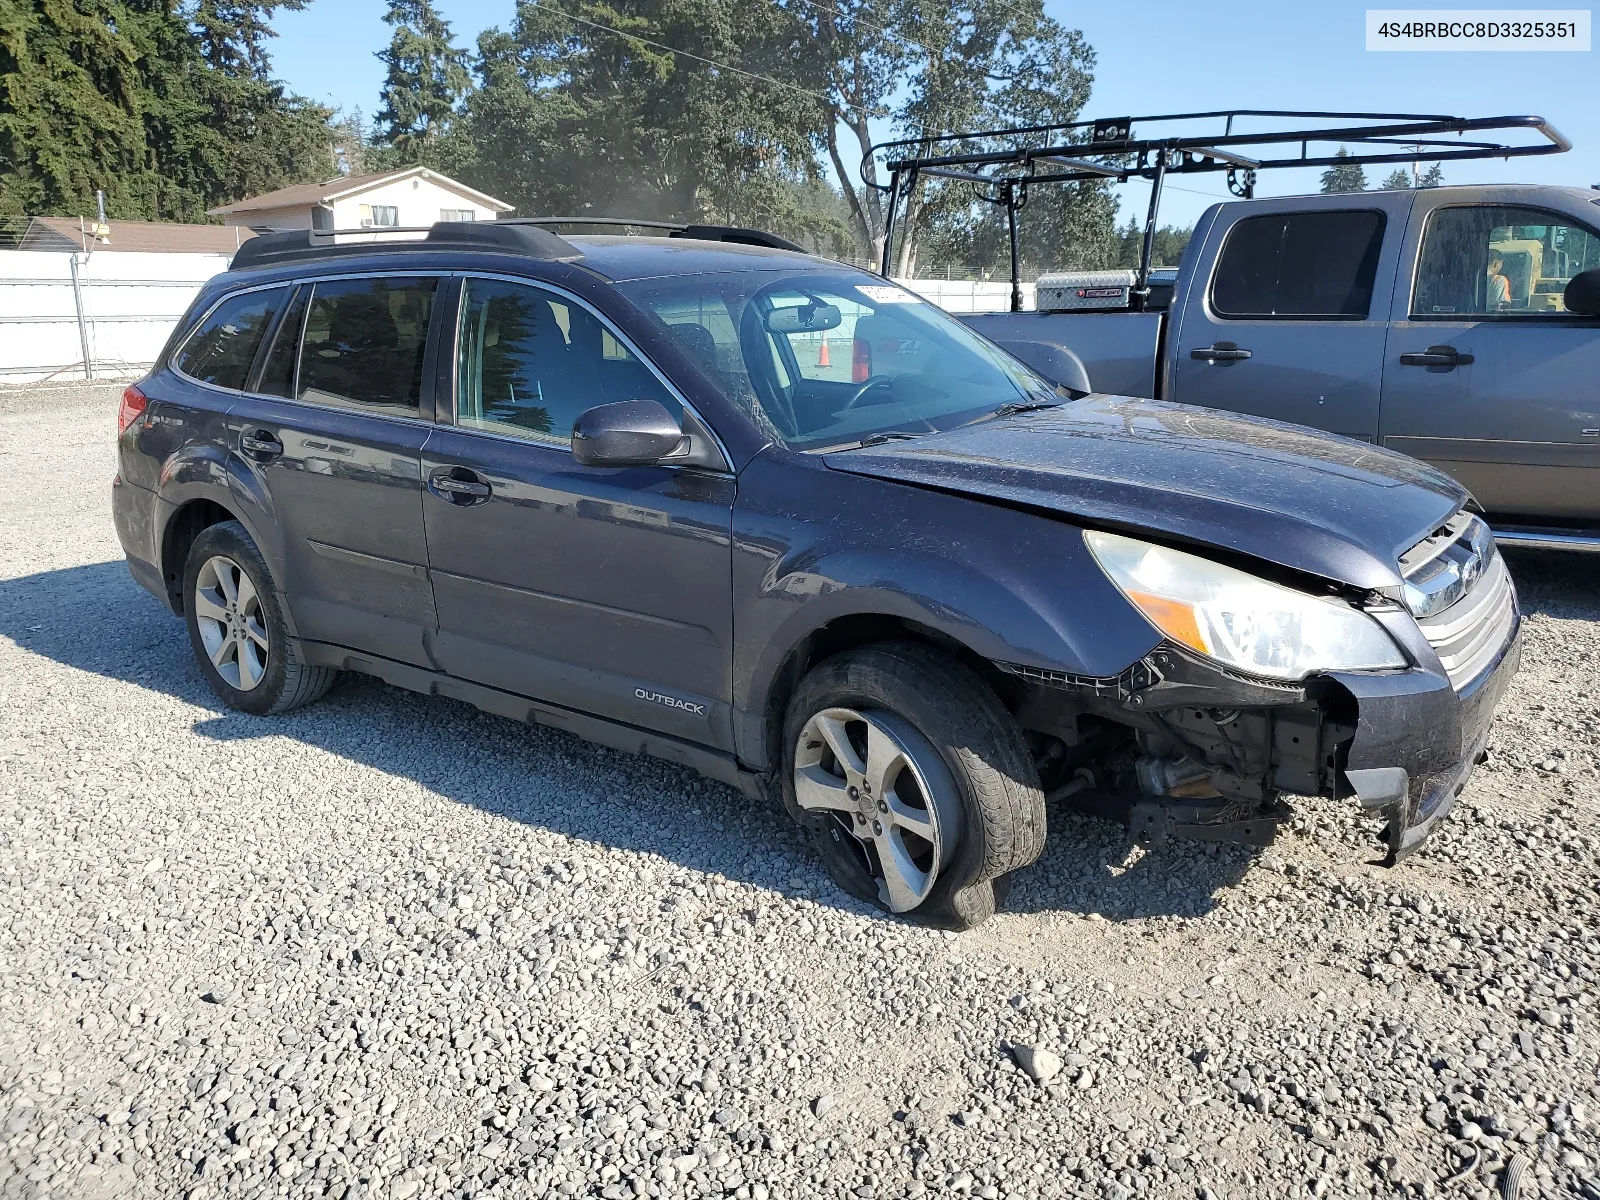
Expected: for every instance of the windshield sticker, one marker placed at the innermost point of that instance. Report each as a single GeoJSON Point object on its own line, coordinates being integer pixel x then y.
{"type": "Point", "coordinates": [880, 293]}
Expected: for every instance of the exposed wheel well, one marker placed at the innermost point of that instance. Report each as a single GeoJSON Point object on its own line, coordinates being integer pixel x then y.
{"type": "Point", "coordinates": [186, 525]}
{"type": "Point", "coordinates": [848, 633]}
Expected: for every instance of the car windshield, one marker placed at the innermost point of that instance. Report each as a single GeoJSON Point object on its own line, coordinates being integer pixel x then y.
{"type": "Point", "coordinates": [830, 359]}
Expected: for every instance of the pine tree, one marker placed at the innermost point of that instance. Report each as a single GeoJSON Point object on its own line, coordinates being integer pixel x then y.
{"type": "Point", "coordinates": [233, 34]}
{"type": "Point", "coordinates": [1432, 177]}
{"type": "Point", "coordinates": [1397, 179]}
{"type": "Point", "coordinates": [1345, 177]}
{"type": "Point", "coordinates": [427, 78]}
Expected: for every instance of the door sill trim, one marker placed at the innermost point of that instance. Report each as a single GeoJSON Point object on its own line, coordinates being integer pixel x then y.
{"type": "Point", "coordinates": [616, 734]}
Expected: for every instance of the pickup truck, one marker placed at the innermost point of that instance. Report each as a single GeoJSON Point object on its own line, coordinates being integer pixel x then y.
{"type": "Point", "coordinates": [1460, 325]}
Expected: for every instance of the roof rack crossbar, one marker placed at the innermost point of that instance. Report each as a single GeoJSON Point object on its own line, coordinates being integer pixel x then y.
{"type": "Point", "coordinates": [1070, 152]}
{"type": "Point", "coordinates": [735, 234]}
{"type": "Point", "coordinates": [493, 237]}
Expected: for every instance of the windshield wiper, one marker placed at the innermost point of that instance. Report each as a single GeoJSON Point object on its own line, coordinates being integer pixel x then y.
{"type": "Point", "coordinates": [1014, 407]}
{"type": "Point", "coordinates": [894, 435]}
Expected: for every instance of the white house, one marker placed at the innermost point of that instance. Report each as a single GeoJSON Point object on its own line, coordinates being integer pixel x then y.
{"type": "Point", "coordinates": [415, 196]}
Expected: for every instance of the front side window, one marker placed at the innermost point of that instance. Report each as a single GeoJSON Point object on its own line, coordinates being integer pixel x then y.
{"type": "Point", "coordinates": [364, 342]}
{"type": "Point", "coordinates": [831, 358]}
{"type": "Point", "coordinates": [224, 345]}
{"type": "Point", "coordinates": [1298, 266]}
{"type": "Point", "coordinates": [529, 361]}
{"type": "Point", "coordinates": [1494, 260]}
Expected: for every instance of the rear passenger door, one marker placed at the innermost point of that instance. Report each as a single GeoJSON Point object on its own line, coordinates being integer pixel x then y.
{"type": "Point", "coordinates": [332, 429]}
{"type": "Point", "coordinates": [606, 590]}
{"type": "Point", "coordinates": [1288, 314]}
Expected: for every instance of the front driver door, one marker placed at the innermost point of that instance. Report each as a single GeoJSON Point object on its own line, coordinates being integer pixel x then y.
{"type": "Point", "coordinates": [606, 590]}
{"type": "Point", "coordinates": [1487, 375]}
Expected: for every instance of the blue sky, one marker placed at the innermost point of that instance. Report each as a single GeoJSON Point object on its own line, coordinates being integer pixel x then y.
{"type": "Point", "coordinates": [1155, 56]}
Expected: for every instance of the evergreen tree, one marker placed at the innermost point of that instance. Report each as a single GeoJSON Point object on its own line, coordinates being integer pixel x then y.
{"type": "Point", "coordinates": [1397, 179]}
{"type": "Point", "coordinates": [233, 33]}
{"type": "Point", "coordinates": [427, 77]}
{"type": "Point", "coordinates": [1345, 177]}
{"type": "Point", "coordinates": [1432, 177]}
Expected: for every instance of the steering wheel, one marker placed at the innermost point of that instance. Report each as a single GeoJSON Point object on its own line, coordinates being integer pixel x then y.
{"type": "Point", "coordinates": [872, 381]}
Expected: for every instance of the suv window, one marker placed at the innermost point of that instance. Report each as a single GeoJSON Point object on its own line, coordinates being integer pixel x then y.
{"type": "Point", "coordinates": [223, 346]}
{"type": "Point", "coordinates": [1499, 261]}
{"type": "Point", "coordinates": [529, 361]}
{"type": "Point", "coordinates": [364, 341]}
{"type": "Point", "coordinates": [1299, 265]}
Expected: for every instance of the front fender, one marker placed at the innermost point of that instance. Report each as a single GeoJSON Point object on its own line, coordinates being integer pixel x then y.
{"type": "Point", "coordinates": [813, 546]}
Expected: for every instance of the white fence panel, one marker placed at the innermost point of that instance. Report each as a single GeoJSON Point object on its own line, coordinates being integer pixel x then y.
{"type": "Point", "coordinates": [130, 303]}
{"type": "Point", "coordinates": [968, 296]}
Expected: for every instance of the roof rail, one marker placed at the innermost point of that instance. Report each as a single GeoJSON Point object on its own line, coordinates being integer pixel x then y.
{"type": "Point", "coordinates": [679, 229]}
{"type": "Point", "coordinates": [494, 237]}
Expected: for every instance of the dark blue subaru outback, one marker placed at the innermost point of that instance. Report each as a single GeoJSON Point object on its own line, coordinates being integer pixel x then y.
{"type": "Point", "coordinates": [703, 497]}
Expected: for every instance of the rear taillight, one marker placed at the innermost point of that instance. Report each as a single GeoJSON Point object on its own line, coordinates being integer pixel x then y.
{"type": "Point", "coordinates": [861, 361]}
{"type": "Point", "coordinates": [131, 409]}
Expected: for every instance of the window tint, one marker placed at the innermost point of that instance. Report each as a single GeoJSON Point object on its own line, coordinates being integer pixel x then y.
{"type": "Point", "coordinates": [223, 346]}
{"type": "Point", "coordinates": [529, 362]}
{"type": "Point", "coordinates": [364, 341]}
{"type": "Point", "coordinates": [1493, 260]}
{"type": "Point", "coordinates": [277, 375]}
{"type": "Point", "coordinates": [1315, 264]}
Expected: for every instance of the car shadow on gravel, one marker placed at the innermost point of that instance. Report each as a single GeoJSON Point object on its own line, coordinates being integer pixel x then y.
{"type": "Point", "coordinates": [95, 618]}
{"type": "Point", "coordinates": [1557, 583]}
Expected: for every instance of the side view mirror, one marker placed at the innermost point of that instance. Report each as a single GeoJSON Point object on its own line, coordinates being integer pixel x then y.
{"type": "Point", "coordinates": [629, 433]}
{"type": "Point", "coordinates": [1583, 293]}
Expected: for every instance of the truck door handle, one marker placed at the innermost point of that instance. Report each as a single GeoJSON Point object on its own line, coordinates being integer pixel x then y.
{"type": "Point", "coordinates": [457, 485]}
{"type": "Point", "coordinates": [260, 445]}
{"type": "Point", "coordinates": [1436, 356]}
{"type": "Point", "coordinates": [1221, 352]}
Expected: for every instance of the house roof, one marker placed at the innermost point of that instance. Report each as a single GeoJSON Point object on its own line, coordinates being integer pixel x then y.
{"type": "Point", "coordinates": [73, 233]}
{"type": "Point", "coordinates": [303, 195]}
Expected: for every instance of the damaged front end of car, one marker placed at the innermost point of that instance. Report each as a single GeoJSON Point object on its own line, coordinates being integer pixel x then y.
{"type": "Point", "coordinates": [1391, 709]}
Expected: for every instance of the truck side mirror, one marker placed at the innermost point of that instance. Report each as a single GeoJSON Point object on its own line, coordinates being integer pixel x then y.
{"type": "Point", "coordinates": [1583, 293]}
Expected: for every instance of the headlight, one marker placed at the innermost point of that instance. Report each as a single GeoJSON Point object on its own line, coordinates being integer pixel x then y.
{"type": "Point", "coordinates": [1240, 620]}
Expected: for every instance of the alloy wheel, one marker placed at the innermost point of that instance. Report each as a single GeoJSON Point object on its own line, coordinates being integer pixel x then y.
{"type": "Point", "coordinates": [232, 625]}
{"type": "Point", "coordinates": [886, 787]}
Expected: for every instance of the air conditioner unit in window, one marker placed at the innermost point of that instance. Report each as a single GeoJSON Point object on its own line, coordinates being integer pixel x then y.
{"type": "Point", "coordinates": [366, 222]}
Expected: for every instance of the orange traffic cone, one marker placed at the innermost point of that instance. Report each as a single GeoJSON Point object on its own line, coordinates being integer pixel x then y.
{"type": "Point", "coordinates": [822, 355]}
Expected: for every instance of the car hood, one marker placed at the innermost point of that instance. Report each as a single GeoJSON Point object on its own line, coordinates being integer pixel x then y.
{"type": "Point", "coordinates": [1331, 506]}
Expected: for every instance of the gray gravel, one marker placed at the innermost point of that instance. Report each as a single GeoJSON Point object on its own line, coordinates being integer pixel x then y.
{"type": "Point", "coordinates": [390, 947]}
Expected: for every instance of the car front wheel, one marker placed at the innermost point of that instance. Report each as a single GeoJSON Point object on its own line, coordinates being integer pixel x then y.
{"type": "Point", "coordinates": [914, 782]}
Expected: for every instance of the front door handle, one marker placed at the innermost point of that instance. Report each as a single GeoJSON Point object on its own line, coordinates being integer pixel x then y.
{"type": "Point", "coordinates": [1221, 352]}
{"type": "Point", "coordinates": [457, 485]}
{"type": "Point", "coordinates": [260, 445]}
{"type": "Point", "coordinates": [1447, 357]}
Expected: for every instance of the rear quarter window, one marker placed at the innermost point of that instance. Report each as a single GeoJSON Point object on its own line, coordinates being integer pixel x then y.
{"type": "Point", "coordinates": [1298, 266]}
{"type": "Point", "coordinates": [223, 346]}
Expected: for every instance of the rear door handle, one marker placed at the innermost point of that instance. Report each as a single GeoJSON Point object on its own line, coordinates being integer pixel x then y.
{"type": "Point", "coordinates": [1221, 352]}
{"type": "Point", "coordinates": [260, 445]}
{"type": "Point", "coordinates": [1436, 356]}
{"type": "Point", "coordinates": [457, 485]}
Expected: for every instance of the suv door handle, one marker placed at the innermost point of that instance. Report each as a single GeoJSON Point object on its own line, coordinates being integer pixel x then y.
{"type": "Point", "coordinates": [457, 485]}
{"type": "Point", "coordinates": [260, 445]}
{"type": "Point", "coordinates": [1436, 356]}
{"type": "Point", "coordinates": [1221, 352]}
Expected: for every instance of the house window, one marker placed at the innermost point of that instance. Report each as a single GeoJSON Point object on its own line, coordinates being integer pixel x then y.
{"type": "Point", "coordinates": [380, 214]}
{"type": "Point", "coordinates": [321, 218]}
{"type": "Point", "coordinates": [458, 214]}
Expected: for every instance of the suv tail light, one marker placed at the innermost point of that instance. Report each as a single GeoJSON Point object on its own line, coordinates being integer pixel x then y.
{"type": "Point", "coordinates": [131, 409]}
{"type": "Point", "coordinates": [861, 361]}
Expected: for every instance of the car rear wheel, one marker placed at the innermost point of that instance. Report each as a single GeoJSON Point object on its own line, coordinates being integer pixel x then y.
{"type": "Point", "coordinates": [236, 626]}
{"type": "Point", "coordinates": [914, 782]}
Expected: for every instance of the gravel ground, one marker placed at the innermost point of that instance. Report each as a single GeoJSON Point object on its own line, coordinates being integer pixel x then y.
{"type": "Point", "coordinates": [390, 947]}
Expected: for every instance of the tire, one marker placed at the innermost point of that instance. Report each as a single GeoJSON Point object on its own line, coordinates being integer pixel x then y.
{"type": "Point", "coordinates": [241, 642]}
{"type": "Point", "coordinates": [964, 762]}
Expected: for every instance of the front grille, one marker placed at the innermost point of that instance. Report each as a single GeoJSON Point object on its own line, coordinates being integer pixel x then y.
{"type": "Point", "coordinates": [1470, 630]}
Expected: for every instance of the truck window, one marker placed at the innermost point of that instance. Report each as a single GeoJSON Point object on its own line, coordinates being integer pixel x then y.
{"type": "Point", "coordinates": [1298, 266]}
{"type": "Point", "coordinates": [1493, 260]}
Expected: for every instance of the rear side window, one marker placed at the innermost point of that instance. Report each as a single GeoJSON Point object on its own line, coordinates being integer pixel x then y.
{"type": "Point", "coordinates": [363, 344]}
{"type": "Point", "coordinates": [223, 346]}
{"type": "Point", "coordinates": [1299, 265]}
